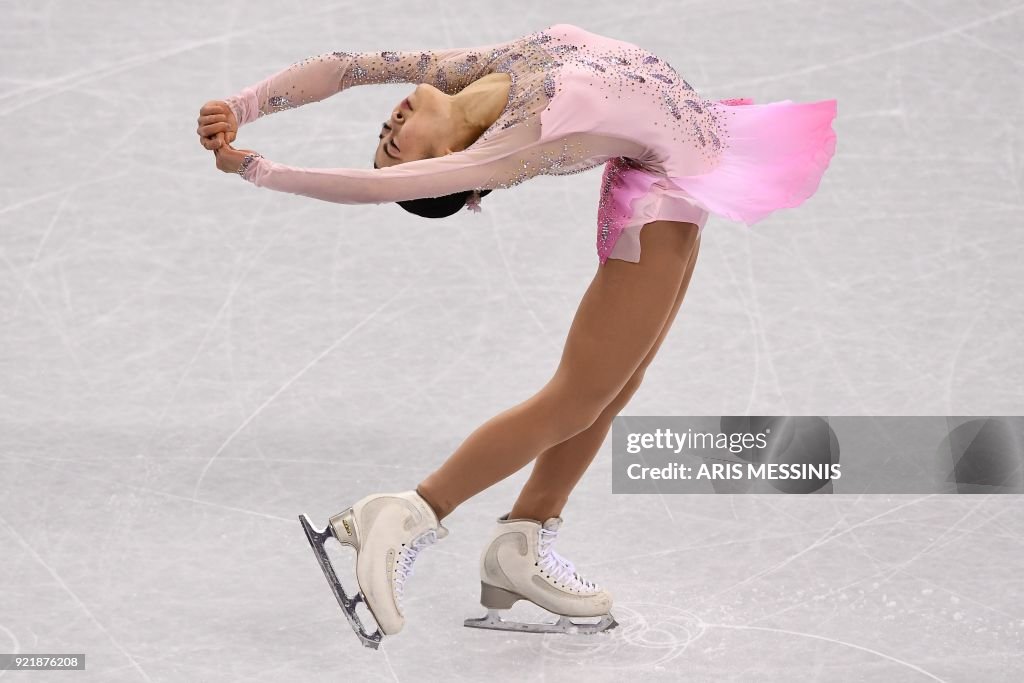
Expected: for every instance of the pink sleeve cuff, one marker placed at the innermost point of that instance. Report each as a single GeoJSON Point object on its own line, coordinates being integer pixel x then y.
{"type": "Point", "coordinates": [253, 167]}
{"type": "Point", "coordinates": [244, 106]}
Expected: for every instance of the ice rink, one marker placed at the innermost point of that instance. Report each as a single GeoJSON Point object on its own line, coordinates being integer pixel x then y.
{"type": "Point", "coordinates": [187, 361]}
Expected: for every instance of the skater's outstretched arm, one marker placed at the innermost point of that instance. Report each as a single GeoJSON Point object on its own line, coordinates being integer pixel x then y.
{"type": "Point", "coordinates": [320, 76]}
{"type": "Point", "coordinates": [498, 163]}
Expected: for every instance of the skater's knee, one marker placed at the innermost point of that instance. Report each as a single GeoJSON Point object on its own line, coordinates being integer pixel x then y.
{"type": "Point", "coordinates": [574, 417]}
{"type": "Point", "coordinates": [586, 396]}
{"type": "Point", "coordinates": [576, 406]}
{"type": "Point", "coordinates": [630, 387]}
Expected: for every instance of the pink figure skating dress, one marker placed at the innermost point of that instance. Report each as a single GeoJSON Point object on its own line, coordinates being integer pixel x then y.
{"type": "Point", "coordinates": [577, 100]}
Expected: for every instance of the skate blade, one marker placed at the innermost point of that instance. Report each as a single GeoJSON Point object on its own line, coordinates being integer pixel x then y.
{"type": "Point", "coordinates": [492, 620]}
{"type": "Point", "coordinates": [348, 604]}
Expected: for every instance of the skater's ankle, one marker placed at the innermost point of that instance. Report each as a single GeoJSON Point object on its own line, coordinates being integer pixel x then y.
{"type": "Point", "coordinates": [438, 510]}
{"type": "Point", "coordinates": [531, 518]}
{"type": "Point", "coordinates": [537, 515]}
{"type": "Point", "coordinates": [538, 505]}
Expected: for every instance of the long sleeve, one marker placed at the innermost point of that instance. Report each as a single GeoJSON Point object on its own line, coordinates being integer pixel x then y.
{"type": "Point", "coordinates": [524, 141]}
{"type": "Point", "coordinates": [318, 77]}
{"type": "Point", "coordinates": [497, 163]}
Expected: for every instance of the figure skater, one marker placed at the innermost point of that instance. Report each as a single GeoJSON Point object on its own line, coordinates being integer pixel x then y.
{"type": "Point", "coordinates": [558, 101]}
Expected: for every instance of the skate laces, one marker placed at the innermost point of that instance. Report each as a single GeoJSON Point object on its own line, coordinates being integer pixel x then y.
{"type": "Point", "coordinates": [407, 558]}
{"type": "Point", "coordinates": [559, 568]}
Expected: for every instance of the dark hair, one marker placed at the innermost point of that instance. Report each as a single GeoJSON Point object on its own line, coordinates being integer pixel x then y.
{"type": "Point", "coordinates": [439, 207]}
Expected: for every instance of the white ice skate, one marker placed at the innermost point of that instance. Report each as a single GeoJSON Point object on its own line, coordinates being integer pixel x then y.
{"type": "Point", "coordinates": [520, 564]}
{"type": "Point", "coordinates": [387, 530]}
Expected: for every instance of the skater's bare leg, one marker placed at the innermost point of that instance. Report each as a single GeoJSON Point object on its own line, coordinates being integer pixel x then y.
{"type": "Point", "coordinates": [619, 319]}
{"type": "Point", "coordinates": [557, 470]}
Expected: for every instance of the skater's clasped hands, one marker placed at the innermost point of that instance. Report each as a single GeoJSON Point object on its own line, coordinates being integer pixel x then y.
{"type": "Point", "coordinates": [217, 128]}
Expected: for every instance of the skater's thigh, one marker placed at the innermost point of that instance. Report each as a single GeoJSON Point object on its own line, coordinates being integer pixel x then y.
{"type": "Point", "coordinates": [623, 312]}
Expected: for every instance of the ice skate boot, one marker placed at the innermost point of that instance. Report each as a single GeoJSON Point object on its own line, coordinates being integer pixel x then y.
{"type": "Point", "coordinates": [520, 564]}
{"type": "Point", "coordinates": [387, 530]}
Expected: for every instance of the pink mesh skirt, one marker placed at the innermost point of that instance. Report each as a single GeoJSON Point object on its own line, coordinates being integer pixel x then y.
{"type": "Point", "coordinates": [774, 157]}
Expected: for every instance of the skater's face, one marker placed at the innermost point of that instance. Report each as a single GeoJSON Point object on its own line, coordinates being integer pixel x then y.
{"type": "Point", "coordinates": [419, 126]}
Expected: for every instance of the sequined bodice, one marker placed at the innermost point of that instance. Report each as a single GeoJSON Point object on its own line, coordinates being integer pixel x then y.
{"type": "Point", "coordinates": [596, 74]}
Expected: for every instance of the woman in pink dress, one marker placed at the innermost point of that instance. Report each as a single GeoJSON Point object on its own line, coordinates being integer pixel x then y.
{"type": "Point", "coordinates": [558, 101]}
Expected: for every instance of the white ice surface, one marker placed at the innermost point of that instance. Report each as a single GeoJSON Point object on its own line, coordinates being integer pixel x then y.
{"type": "Point", "coordinates": [187, 362]}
